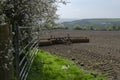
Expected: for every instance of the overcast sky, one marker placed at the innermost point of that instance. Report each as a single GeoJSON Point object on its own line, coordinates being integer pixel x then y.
{"type": "Point", "coordinates": [81, 9]}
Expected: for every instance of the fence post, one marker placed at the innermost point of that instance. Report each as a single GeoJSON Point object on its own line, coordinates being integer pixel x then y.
{"type": "Point", "coordinates": [16, 48]}
{"type": "Point", "coordinates": [6, 57]}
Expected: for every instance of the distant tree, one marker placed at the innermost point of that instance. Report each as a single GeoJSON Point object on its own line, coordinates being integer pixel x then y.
{"type": "Point", "coordinates": [114, 28]}
{"type": "Point", "coordinates": [91, 28]}
{"type": "Point", "coordinates": [118, 27]}
{"type": "Point", "coordinates": [66, 27]}
{"type": "Point", "coordinates": [77, 27]}
{"type": "Point", "coordinates": [109, 29]}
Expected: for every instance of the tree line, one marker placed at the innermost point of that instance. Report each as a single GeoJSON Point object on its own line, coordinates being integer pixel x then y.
{"type": "Point", "coordinates": [111, 28]}
{"type": "Point", "coordinates": [78, 27]}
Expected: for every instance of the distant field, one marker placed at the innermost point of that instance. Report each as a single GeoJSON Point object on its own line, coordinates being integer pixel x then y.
{"type": "Point", "coordinates": [104, 20]}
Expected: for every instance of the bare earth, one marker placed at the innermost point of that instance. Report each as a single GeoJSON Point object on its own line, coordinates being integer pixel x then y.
{"type": "Point", "coordinates": [102, 53]}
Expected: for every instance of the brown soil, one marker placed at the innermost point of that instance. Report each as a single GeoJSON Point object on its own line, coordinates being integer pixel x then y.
{"type": "Point", "coordinates": [102, 53]}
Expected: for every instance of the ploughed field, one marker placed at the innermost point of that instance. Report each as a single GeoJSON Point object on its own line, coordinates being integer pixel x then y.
{"type": "Point", "coordinates": [102, 53]}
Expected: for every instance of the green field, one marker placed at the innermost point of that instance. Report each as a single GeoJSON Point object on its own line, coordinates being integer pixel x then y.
{"type": "Point", "coordinates": [104, 20]}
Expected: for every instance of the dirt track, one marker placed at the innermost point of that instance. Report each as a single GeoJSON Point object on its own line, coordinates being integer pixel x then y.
{"type": "Point", "coordinates": [102, 53]}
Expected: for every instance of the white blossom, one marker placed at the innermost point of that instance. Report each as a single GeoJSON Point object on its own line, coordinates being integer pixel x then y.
{"type": "Point", "coordinates": [29, 12]}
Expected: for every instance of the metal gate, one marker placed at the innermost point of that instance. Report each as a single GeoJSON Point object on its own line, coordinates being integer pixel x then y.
{"type": "Point", "coordinates": [25, 42]}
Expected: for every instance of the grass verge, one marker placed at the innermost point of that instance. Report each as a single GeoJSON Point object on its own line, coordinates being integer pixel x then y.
{"type": "Point", "coordinates": [51, 67]}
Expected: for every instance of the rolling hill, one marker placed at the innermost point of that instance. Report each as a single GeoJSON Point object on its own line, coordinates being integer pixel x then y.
{"type": "Point", "coordinates": [108, 22]}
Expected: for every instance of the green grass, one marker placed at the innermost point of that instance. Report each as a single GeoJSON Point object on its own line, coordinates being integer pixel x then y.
{"type": "Point", "coordinates": [50, 67]}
